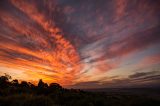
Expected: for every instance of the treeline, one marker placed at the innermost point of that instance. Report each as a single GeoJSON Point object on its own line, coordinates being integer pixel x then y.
{"type": "Point", "coordinates": [15, 93]}
{"type": "Point", "coordinates": [9, 86]}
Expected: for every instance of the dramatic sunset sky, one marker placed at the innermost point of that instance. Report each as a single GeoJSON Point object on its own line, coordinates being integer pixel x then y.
{"type": "Point", "coordinates": [81, 43]}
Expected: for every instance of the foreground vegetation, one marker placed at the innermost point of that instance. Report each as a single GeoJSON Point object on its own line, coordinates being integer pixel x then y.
{"type": "Point", "coordinates": [13, 93]}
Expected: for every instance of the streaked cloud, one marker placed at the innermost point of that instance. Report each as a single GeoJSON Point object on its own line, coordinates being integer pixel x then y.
{"type": "Point", "coordinates": [80, 43]}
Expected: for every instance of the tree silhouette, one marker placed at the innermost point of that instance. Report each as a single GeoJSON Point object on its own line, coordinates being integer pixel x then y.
{"type": "Point", "coordinates": [32, 86]}
{"type": "Point", "coordinates": [55, 86]}
{"type": "Point", "coordinates": [41, 84]}
{"type": "Point", "coordinates": [4, 81]}
{"type": "Point", "coordinates": [24, 84]}
{"type": "Point", "coordinates": [15, 82]}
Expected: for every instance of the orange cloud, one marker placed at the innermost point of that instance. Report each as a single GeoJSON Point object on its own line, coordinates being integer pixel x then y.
{"type": "Point", "coordinates": [57, 59]}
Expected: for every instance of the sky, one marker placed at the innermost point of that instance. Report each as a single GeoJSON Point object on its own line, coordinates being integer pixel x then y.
{"type": "Point", "coordinates": [81, 43]}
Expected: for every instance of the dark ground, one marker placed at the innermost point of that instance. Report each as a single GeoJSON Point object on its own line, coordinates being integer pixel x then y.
{"type": "Point", "coordinates": [13, 93]}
